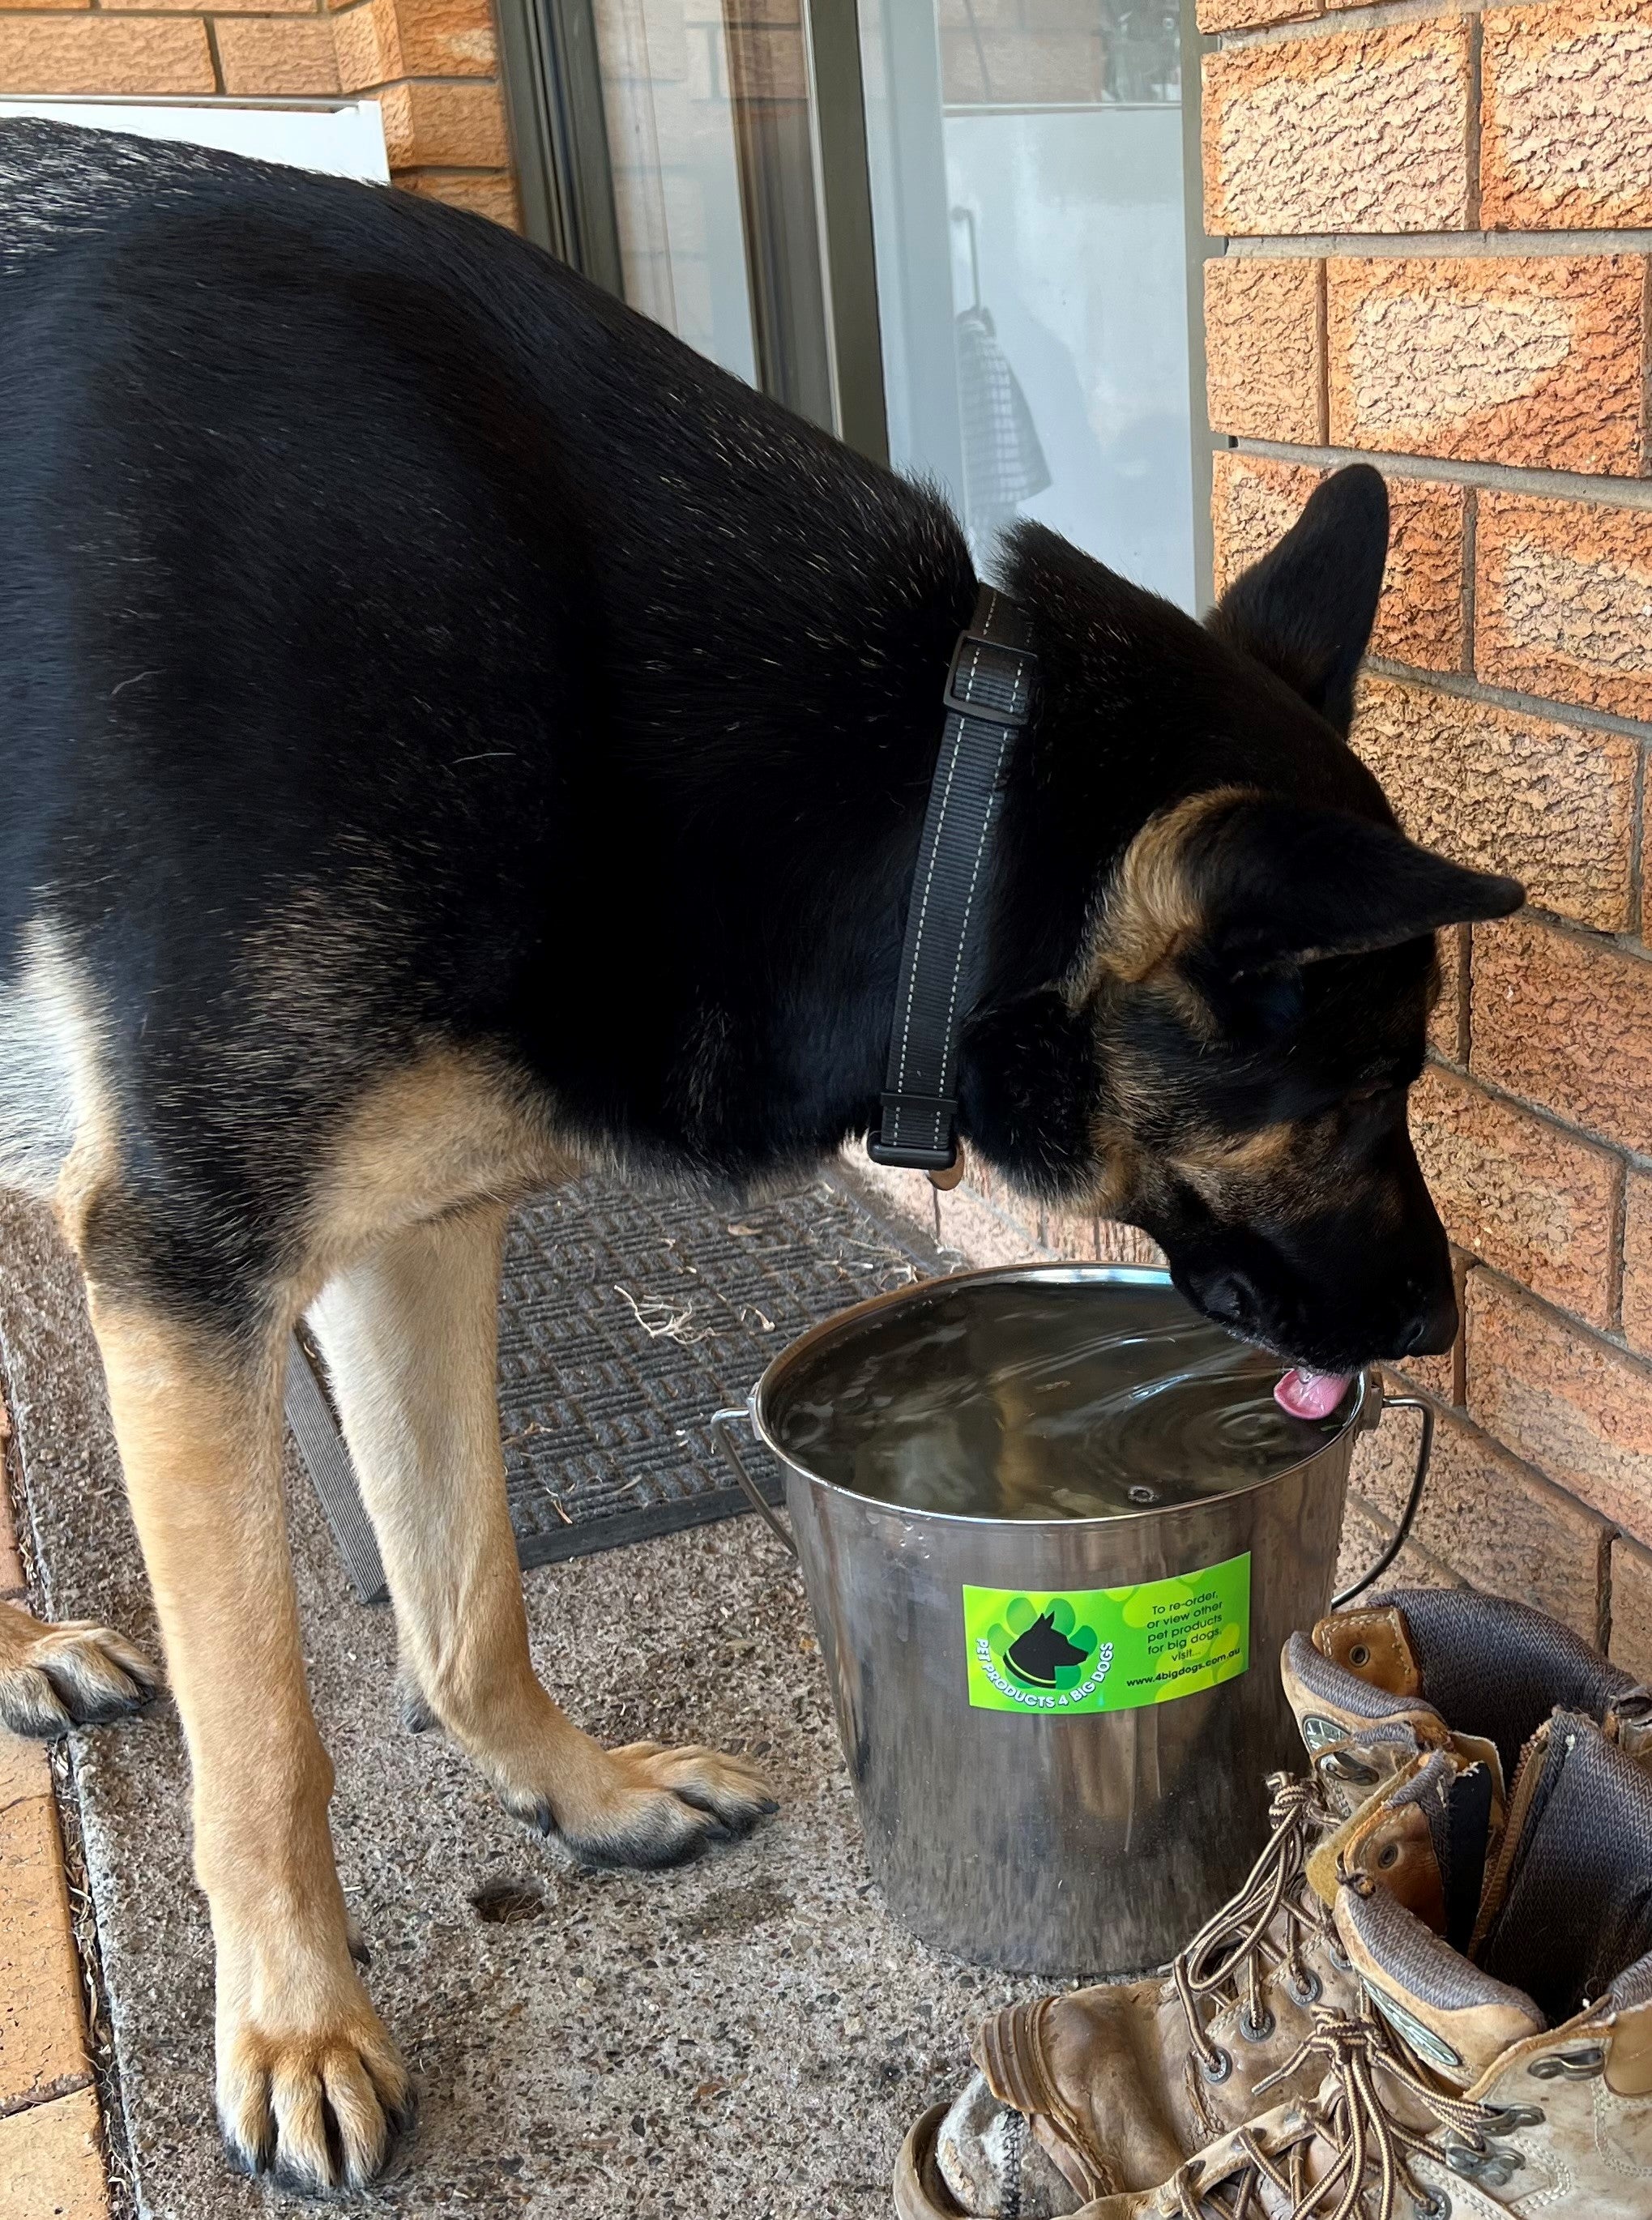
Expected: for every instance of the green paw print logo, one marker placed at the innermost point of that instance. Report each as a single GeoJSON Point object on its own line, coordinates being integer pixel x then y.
{"type": "Point", "coordinates": [1043, 1648]}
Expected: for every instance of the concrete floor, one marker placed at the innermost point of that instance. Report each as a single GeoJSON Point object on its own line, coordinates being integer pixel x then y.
{"type": "Point", "coordinates": [750, 2036]}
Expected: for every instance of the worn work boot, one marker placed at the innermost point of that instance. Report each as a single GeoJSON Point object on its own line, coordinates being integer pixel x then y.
{"type": "Point", "coordinates": [1516, 2081]}
{"type": "Point", "coordinates": [1109, 2088]}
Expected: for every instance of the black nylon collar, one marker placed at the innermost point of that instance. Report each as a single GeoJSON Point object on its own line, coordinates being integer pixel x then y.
{"type": "Point", "coordinates": [989, 699]}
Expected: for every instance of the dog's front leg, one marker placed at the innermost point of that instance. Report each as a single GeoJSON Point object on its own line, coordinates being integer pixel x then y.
{"type": "Point", "coordinates": [409, 1338]}
{"type": "Point", "coordinates": [309, 2083]}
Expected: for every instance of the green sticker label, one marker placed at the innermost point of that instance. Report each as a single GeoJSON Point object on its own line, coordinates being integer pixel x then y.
{"type": "Point", "coordinates": [1108, 1649]}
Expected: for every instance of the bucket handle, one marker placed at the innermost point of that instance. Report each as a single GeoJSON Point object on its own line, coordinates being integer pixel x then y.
{"type": "Point", "coordinates": [723, 1423]}
{"type": "Point", "coordinates": [1402, 1531]}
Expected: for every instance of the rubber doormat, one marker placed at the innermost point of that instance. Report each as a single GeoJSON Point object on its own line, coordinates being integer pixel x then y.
{"type": "Point", "coordinates": [626, 1319]}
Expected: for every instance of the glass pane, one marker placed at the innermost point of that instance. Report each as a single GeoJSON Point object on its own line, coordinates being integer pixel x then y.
{"type": "Point", "coordinates": [676, 183]}
{"type": "Point", "coordinates": [1026, 159]}
{"type": "Point", "coordinates": [712, 154]}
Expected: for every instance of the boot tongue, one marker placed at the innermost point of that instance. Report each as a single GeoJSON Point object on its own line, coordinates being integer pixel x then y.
{"type": "Point", "coordinates": [1426, 1840]}
{"type": "Point", "coordinates": [1456, 2020]}
{"type": "Point", "coordinates": [1569, 1906]}
{"type": "Point", "coordinates": [1357, 1733]}
{"type": "Point", "coordinates": [1373, 1645]}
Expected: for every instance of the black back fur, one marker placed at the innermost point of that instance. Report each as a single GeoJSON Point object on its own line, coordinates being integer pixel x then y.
{"type": "Point", "coordinates": [400, 639]}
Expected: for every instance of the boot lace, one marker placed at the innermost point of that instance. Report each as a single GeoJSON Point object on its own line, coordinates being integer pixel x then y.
{"type": "Point", "coordinates": [1234, 1952]}
{"type": "Point", "coordinates": [1371, 2147]}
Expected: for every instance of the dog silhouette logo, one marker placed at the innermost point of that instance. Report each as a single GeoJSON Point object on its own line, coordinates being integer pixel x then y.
{"type": "Point", "coordinates": [1043, 1647]}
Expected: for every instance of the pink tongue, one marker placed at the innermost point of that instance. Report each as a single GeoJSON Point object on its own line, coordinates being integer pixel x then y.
{"type": "Point", "coordinates": [1307, 1394]}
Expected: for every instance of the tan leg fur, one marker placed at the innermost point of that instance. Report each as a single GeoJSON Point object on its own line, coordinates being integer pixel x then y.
{"type": "Point", "coordinates": [308, 2082]}
{"type": "Point", "coordinates": [409, 1336]}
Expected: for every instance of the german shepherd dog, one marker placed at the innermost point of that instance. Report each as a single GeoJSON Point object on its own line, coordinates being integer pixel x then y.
{"type": "Point", "coordinates": [451, 733]}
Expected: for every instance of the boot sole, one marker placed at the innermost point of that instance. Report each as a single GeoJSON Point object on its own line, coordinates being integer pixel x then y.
{"type": "Point", "coordinates": [919, 2192]}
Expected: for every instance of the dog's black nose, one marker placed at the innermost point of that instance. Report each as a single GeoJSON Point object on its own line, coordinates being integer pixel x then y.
{"type": "Point", "coordinates": [1431, 1331]}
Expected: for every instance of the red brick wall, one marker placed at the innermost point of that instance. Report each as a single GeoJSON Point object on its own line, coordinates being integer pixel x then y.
{"type": "Point", "coordinates": [1438, 232]}
{"type": "Point", "coordinates": [433, 65]}
{"type": "Point", "coordinates": [1437, 255]}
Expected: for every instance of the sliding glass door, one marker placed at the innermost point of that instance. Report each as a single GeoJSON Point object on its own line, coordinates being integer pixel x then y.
{"type": "Point", "coordinates": [956, 232]}
{"type": "Point", "coordinates": [1030, 240]}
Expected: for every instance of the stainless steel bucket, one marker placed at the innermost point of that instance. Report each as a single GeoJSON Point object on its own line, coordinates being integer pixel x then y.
{"type": "Point", "coordinates": [1024, 1828]}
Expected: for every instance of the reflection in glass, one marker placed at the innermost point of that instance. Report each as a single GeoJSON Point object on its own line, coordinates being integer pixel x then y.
{"type": "Point", "coordinates": [1026, 161]}
{"type": "Point", "coordinates": [707, 106]}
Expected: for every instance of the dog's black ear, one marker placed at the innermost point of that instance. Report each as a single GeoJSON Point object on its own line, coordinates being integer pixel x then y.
{"type": "Point", "coordinates": [1306, 609]}
{"type": "Point", "coordinates": [1280, 885]}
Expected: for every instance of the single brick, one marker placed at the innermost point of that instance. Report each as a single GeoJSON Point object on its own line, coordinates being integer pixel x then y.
{"type": "Point", "coordinates": [1631, 1608]}
{"type": "Point", "coordinates": [1518, 1194]}
{"type": "Point", "coordinates": [103, 53]}
{"type": "Point", "coordinates": [1637, 1260]}
{"type": "Point", "coordinates": [1420, 618]}
{"type": "Point", "coordinates": [52, 2162]}
{"type": "Point", "coordinates": [1265, 348]}
{"type": "Point", "coordinates": [1504, 790]}
{"type": "Point", "coordinates": [42, 2050]}
{"type": "Point", "coordinates": [1566, 116]}
{"type": "Point", "coordinates": [295, 55]}
{"type": "Point", "coordinates": [1564, 600]}
{"type": "Point", "coordinates": [1365, 1537]}
{"type": "Point", "coordinates": [1512, 358]}
{"type": "Point", "coordinates": [1498, 1526]}
{"type": "Point", "coordinates": [1567, 1022]}
{"type": "Point", "coordinates": [1361, 131]}
{"type": "Point", "coordinates": [1216, 15]}
{"type": "Point", "coordinates": [457, 126]}
{"type": "Point", "coordinates": [386, 40]}
{"type": "Point", "coordinates": [202, 7]}
{"type": "Point", "coordinates": [1577, 1408]}
{"type": "Point", "coordinates": [1448, 1023]}
{"type": "Point", "coordinates": [491, 193]}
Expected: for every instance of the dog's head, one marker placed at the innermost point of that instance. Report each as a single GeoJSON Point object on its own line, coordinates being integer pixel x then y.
{"type": "Point", "coordinates": [1224, 1059]}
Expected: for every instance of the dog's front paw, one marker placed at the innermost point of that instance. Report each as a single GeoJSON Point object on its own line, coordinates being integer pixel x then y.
{"type": "Point", "coordinates": [648, 1805]}
{"type": "Point", "coordinates": [76, 1675]}
{"type": "Point", "coordinates": [317, 2103]}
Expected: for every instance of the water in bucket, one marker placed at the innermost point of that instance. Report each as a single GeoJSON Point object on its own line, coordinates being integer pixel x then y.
{"type": "Point", "coordinates": [1027, 1399]}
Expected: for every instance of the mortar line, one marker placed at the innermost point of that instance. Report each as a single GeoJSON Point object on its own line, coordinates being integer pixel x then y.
{"type": "Point", "coordinates": [1496, 478]}
{"type": "Point", "coordinates": [1319, 28]}
{"type": "Point", "coordinates": [1469, 243]}
{"type": "Point", "coordinates": [1471, 133]}
{"type": "Point", "coordinates": [1470, 583]}
{"type": "Point", "coordinates": [1618, 1347]}
{"type": "Point", "coordinates": [1322, 343]}
{"type": "Point", "coordinates": [1464, 687]}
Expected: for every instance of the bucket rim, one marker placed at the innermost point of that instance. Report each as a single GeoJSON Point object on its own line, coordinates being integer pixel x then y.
{"type": "Point", "coordinates": [1362, 1413]}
